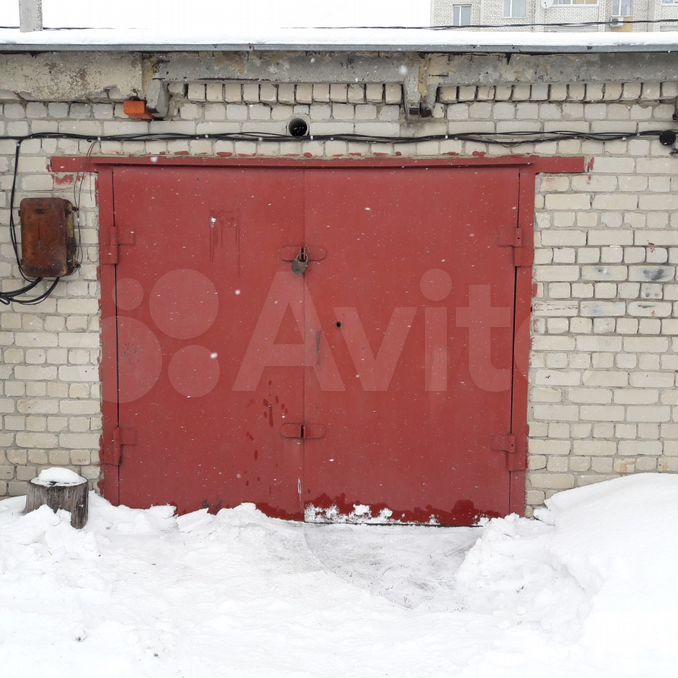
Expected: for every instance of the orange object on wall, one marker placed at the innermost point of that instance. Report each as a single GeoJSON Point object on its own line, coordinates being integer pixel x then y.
{"type": "Point", "coordinates": [136, 109]}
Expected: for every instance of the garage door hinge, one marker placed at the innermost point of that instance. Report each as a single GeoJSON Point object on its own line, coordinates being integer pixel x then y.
{"type": "Point", "coordinates": [112, 447]}
{"type": "Point", "coordinates": [522, 256]}
{"type": "Point", "coordinates": [515, 457]}
{"type": "Point", "coordinates": [110, 252]}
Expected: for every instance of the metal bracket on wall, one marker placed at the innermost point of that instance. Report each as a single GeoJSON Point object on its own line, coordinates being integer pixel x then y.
{"type": "Point", "coordinates": [419, 94]}
{"type": "Point", "coordinates": [419, 77]}
{"type": "Point", "coordinates": [157, 98]}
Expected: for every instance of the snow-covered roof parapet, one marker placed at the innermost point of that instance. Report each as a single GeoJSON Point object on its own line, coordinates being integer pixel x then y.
{"type": "Point", "coordinates": [337, 40]}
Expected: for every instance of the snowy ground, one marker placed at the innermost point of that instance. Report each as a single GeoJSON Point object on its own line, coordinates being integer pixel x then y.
{"type": "Point", "coordinates": [590, 590]}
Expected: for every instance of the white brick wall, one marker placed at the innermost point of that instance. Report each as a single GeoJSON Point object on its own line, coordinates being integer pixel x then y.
{"type": "Point", "coordinates": [491, 12]}
{"type": "Point", "coordinates": [603, 367]}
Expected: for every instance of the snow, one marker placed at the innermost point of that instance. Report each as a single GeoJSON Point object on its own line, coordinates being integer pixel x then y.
{"type": "Point", "coordinates": [590, 589]}
{"type": "Point", "coordinates": [58, 475]}
{"type": "Point", "coordinates": [178, 13]}
{"type": "Point", "coordinates": [389, 39]}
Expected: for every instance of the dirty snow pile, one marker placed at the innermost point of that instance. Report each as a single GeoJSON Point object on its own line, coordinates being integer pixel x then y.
{"type": "Point", "coordinates": [588, 590]}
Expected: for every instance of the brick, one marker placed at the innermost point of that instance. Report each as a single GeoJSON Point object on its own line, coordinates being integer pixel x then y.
{"type": "Point", "coordinates": [286, 93]}
{"type": "Point", "coordinates": [548, 446]}
{"type": "Point", "coordinates": [640, 447]}
{"type": "Point", "coordinates": [604, 272]}
{"type": "Point", "coordinates": [35, 372]}
{"type": "Point", "coordinates": [603, 290]}
{"type": "Point", "coordinates": [563, 237]}
{"type": "Point", "coordinates": [550, 273]}
{"type": "Point", "coordinates": [554, 481]}
{"type": "Point", "coordinates": [646, 344]}
{"type": "Point", "coordinates": [589, 395]}
{"type": "Point", "coordinates": [79, 407]}
{"type": "Point", "coordinates": [214, 91]}
{"type": "Point", "coordinates": [26, 472]}
{"type": "Point", "coordinates": [33, 439]}
{"type": "Point", "coordinates": [586, 479]}
{"type": "Point", "coordinates": [232, 92]}
{"type": "Point", "coordinates": [18, 457]}
{"type": "Point", "coordinates": [557, 377]}
{"type": "Point", "coordinates": [374, 92]}
{"type": "Point", "coordinates": [268, 93]}
{"type": "Point", "coordinates": [652, 238]}
{"type": "Point", "coordinates": [79, 440]}
{"type": "Point", "coordinates": [599, 343]}
{"type": "Point", "coordinates": [568, 201]}
{"type": "Point", "coordinates": [393, 93]}
{"type": "Point", "coordinates": [37, 406]}
{"type": "Point", "coordinates": [356, 93]}
{"type": "Point", "coordinates": [602, 412]}
{"type": "Point", "coordinates": [599, 309]}
{"type": "Point", "coordinates": [551, 343]}
{"type": "Point", "coordinates": [59, 457]}
{"type": "Point", "coordinates": [602, 464]}
{"type": "Point", "coordinates": [89, 472]}
{"type": "Point", "coordinates": [652, 379]}
{"type": "Point", "coordinates": [556, 412]}
{"type": "Point", "coordinates": [610, 237]}
{"type": "Point", "coordinates": [652, 309]}
{"type": "Point", "coordinates": [215, 112]}
{"type": "Point", "coordinates": [557, 464]}
{"type": "Point", "coordinates": [655, 413]}
{"type": "Point", "coordinates": [80, 457]}
{"type": "Point", "coordinates": [649, 273]}
{"type": "Point", "coordinates": [636, 396]}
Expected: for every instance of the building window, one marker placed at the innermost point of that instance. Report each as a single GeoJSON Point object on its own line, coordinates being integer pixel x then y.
{"type": "Point", "coordinates": [622, 8]}
{"type": "Point", "coordinates": [515, 9]}
{"type": "Point", "coordinates": [461, 15]}
{"type": "Point", "coordinates": [575, 2]}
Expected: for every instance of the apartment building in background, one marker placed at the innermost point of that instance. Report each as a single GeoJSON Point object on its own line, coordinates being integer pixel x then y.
{"type": "Point", "coordinates": [613, 15]}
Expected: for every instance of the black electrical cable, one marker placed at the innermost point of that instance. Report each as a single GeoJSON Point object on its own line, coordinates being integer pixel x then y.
{"type": "Point", "coordinates": [443, 27]}
{"type": "Point", "coordinates": [562, 24]}
{"type": "Point", "coordinates": [506, 139]}
{"type": "Point", "coordinates": [414, 28]}
{"type": "Point", "coordinates": [12, 225]}
{"type": "Point", "coordinates": [7, 297]}
{"type": "Point", "coordinates": [15, 295]}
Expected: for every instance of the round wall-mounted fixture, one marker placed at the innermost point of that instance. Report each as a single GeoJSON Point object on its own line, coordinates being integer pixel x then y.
{"type": "Point", "coordinates": [298, 127]}
{"type": "Point", "coordinates": [668, 137]}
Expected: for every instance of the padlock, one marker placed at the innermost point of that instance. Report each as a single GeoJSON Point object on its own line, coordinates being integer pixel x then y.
{"type": "Point", "coordinates": [300, 264]}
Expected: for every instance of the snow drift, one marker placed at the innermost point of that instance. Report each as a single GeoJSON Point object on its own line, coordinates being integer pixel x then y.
{"type": "Point", "coordinates": [589, 589]}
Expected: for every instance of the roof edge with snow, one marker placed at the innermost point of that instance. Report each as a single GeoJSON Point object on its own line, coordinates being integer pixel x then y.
{"type": "Point", "coordinates": [333, 39]}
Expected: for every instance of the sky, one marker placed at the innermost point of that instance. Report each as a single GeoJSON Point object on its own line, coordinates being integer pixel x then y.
{"type": "Point", "coordinates": [178, 14]}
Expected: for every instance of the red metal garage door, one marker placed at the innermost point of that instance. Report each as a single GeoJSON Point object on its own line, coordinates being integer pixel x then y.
{"type": "Point", "coordinates": [413, 272]}
{"type": "Point", "coordinates": [376, 385]}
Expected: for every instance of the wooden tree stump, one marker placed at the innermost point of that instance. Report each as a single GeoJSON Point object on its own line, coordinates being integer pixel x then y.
{"type": "Point", "coordinates": [59, 488]}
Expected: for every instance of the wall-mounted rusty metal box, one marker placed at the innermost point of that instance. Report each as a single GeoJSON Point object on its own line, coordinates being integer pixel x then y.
{"type": "Point", "coordinates": [48, 245]}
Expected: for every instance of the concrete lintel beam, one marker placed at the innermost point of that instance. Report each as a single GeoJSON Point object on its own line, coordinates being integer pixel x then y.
{"type": "Point", "coordinates": [459, 69]}
{"type": "Point", "coordinates": [52, 76]}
